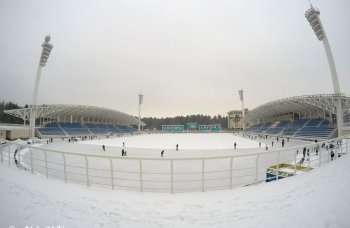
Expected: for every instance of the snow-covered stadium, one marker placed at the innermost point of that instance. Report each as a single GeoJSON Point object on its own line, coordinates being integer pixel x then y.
{"type": "Point", "coordinates": [245, 164]}
{"type": "Point", "coordinates": [85, 166]}
{"type": "Point", "coordinates": [277, 134]}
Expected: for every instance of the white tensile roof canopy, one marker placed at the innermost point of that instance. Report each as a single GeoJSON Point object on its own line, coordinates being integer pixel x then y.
{"type": "Point", "coordinates": [77, 113]}
{"type": "Point", "coordinates": [306, 106]}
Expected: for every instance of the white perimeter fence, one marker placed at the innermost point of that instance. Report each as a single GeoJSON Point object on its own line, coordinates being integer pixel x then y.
{"type": "Point", "coordinates": [174, 175]}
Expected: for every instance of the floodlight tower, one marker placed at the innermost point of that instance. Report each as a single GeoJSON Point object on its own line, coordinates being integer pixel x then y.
{"type": "Point", "coordinates": [46, 50]}
{"type": "Point", "coordinates": [312, 16]}
{"type": "Point", "coordinates": [140, 103]}
{"type": "Point", "coordinates": [242, 100]}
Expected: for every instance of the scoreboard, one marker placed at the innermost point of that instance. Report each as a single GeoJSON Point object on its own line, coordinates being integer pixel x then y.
{"type": "Point", "coordinates": [212, 127]}
{"type": "Point", "coordinates": [173, 128]}
{"type": "Point", "coordinates": [191, 126]}
{"type": "Point", "coordinates": [204, 127]}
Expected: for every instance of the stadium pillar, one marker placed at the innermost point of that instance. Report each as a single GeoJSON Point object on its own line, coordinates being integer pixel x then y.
{"type": "Point", "coordinates": [312, 16]}
{"type": "Point", "coordinates": [46, 50]}
{"type": "Point", "coordinates": [140, 103]}
{"type": "Point", "coordinates": [242, 100]}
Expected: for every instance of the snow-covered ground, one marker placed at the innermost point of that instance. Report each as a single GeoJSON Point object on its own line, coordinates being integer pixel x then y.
{"type": "Point", "coordinates": [319, 198]}
{"type": "Point", "coordinates": [202, 141]}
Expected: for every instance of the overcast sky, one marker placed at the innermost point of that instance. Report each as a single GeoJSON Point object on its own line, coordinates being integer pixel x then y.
{"type": "Point", "coordinates": [185, 56]}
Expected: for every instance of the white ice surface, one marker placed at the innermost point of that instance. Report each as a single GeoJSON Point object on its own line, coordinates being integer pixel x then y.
{"type": "Point", "coordinates": [320, 198]}
{"type": "Point", "coordinates": [185, 141]}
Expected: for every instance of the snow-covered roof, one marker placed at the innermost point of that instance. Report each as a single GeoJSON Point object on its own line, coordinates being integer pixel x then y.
{"type": "Point", "coordinates": [305, 105]}
{"type": "Point", "coordinates": [88, 113]}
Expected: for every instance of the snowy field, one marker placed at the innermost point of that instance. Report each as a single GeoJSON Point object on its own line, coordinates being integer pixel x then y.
{"type": "Point", "coordinates": [317, 199]}
{"type": "Point", "coordinates": [190, 145]}
{"type": "Point", "coordinates": [187, 141]}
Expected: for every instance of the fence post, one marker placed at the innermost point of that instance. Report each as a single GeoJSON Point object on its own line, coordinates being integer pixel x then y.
{"type": "Point", "coordinates": [46, 168]}
{"type": "Point", "coordinates": [309, 156]}
{"type": "Point", "coordinates": [320, 154]}
{"type": "Point", "coordinates": [278, 165]}
{"type": "Point", "coordinates": [2, 159]}
{"type": "Point", "coordinates": [203, 162]}
{"type": "Point", "coordinates": [172, 176]}
{"type": "Point", "coordinates": [231, 170]}
{"type": "Point", "coordinates": [328, 154]}
{"type": "Point", "coordinates": [256, 168]}
{"type": "Point", "coordinates": [9, 155]}
{"type": "Point", "coordinates": [87, 171]}
{"type": "Point", "coordinates": [295, 163]}
{"type": "Point", "coordinates": [31, 160]}
{"type": "Point", "coordinates": [112, 177]}
{"type": "Point", "coordinates": [19, 155]}
{"type": "Point", "coordinates": [64, 168]}
{"type": "Point", "coordinates": [141, 184]}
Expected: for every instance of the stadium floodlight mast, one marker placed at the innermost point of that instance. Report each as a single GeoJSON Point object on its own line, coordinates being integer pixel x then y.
{"type": "Point", "coordinates": [312, 16]}
{"type": "Point", "coordinates": [45, 53]}
{"type": "Point", "coordinates": [140, 103]}
{"type": "Point", "coordinates": [242, 100]}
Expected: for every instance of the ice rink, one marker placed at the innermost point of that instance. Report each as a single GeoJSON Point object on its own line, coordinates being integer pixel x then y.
{"type": "Point", "coordinates": [203, 161]}
{"type": "Point", "coordinates": [187, 141]}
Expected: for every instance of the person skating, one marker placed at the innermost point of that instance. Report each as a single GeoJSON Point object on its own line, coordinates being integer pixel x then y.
{"type": "Point", "coordinates": [235, 145]}
{"type": "Point", "coordinates": [177, 147]}
{"type": "Point", "coordinates": [103, 148]}
{"type": "Point", "coordinates": [161, 153]}
{"type": "Point", "coordinates": [332, 155]}
{"type": "Point", "coordinates": [15, 157]}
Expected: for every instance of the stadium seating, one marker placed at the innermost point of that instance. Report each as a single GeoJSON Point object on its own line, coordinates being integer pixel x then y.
{"type": "Point", "coordinates": [314, 122]}
{"type": "Point", "coordinates": [283, 123]}
{"type": "Point", "coordinates": [55, 129]}
{"type": "Point", "coordinates": [315, 132]}
{"type": "Point", "coordinates": [302, 128]}
{"type": "Point", "coordinates": [51, 131]}
{"type": "Point", "coordinates": [263, 128]}
{"type": "Point", "coordinates": [299, 123]}
{"type": "Point", "coordinates": [74, 129]}
{"type": "Point", "coordinates": [94, 129]}
{"type": "Point", "coordinates": [290, 131]}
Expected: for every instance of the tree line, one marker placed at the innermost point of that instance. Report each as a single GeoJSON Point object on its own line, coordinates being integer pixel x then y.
{"type": "Point", "coordinates": [153, 123]}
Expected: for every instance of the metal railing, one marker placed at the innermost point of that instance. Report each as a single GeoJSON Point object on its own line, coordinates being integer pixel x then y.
{"type": "Point", "coordinates": [174, 175]}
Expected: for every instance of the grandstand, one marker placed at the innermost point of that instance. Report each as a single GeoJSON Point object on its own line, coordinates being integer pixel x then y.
{"type": "Point", "coordinates": [78, 121]}
{"type": "Point", "coordinates": [306, 117]}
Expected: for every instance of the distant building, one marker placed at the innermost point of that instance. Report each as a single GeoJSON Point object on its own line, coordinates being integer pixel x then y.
{"type": "Point", "coordinates": [13, 132]}
{"type": "Point", "coordinates": [234, 118]}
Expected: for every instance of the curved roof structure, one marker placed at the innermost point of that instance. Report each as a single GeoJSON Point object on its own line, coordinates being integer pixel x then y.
{"type": "Point", "coordinates": [308, 105]}
{"type": "Point", "coordinates": [65, 113]}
